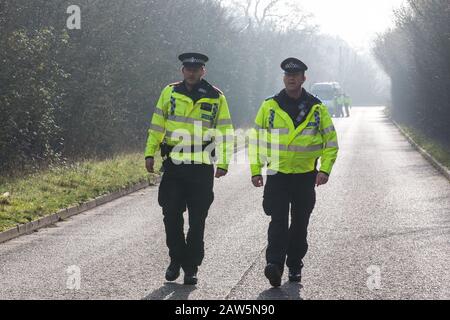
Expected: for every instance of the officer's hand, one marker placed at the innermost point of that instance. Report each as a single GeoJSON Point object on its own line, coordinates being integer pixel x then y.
{"type": "Point", "coordinates": [149, 164]}
{"type": "Point", "coordinates": [258, 181]}
{"type": "Point", "coordinates": [321, 179]}
{"type": "Point", "coordinates": [221, 173]}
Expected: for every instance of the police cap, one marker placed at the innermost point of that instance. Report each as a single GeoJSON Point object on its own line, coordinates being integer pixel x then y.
{"type": "Point", "coordinates": [192, 59]}
{"type": "Point", "coordinates": [293, 65]}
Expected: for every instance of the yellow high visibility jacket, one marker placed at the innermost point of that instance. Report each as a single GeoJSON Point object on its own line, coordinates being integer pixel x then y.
{"type": "Point", "coordinates": [347, 101]}
{"type": "Point", "coordinates": [189, 126]}
{"type": "Point", "coordinates": [340, 100]}
{"type": "Point", "coordinates": [276, 142]}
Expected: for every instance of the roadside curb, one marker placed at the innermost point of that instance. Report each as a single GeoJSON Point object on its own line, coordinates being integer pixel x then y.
{"type": "Point", "coordinates": [66, 213]}
{"type": "Point", "coordinates": [440, 167]}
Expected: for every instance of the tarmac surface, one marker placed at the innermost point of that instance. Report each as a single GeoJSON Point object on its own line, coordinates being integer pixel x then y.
{"type": "Point", "coordinates": [380, 230]}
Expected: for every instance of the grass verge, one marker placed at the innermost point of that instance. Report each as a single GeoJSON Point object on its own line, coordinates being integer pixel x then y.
{"type": "Point", "coordinates": [34, 196]}
{"type": "Point", "coordinates": [436, 150]}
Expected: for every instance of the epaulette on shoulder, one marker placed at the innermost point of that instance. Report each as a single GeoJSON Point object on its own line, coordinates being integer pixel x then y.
{"type": "Point", "coordinates": [316, 100]}
{"type": "Point", "coordinates": [218, 90]}
{"type": "Point", "coordinates": [175, 84]}
{"type": "Point", "coordinates": [271, 97]}
{"type": "Point", "coordinates": [313, 99]}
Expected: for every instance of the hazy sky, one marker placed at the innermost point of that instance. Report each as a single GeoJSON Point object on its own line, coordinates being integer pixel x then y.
{"type": "Point", "coordinates": [356, 21]}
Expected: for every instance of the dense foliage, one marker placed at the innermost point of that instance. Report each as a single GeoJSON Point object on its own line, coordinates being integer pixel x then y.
{"type": "Point", "coordinates": [416, 56]}
{"type": "Point", "coordinates": [71, 94]}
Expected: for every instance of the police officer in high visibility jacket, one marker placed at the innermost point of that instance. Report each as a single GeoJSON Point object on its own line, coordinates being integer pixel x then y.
{"type": "Point", "coordinates": [191, 125]}
{"type": "Point", "coordinates": [340, 105]}
{"type": "Point", "coordinates": [347, 104]}
{"type": "Point", "coordinates": [293, 130]}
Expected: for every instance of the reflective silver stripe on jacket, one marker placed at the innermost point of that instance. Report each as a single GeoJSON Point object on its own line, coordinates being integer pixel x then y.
{"type": "Point", "coordinates": [301, 148]}
{"type": "Point", "coordinates": [309, 132]}
{"type": "Point", "coordinates": [306, 132]}
{"type": "Point", "coordinates": [155, 127]}
{"type": "Point", "coordinates": [331, 144]}
{"type": "Point", "coordinates": [182, 134]}
{"type": "Point", "coordinates": [158, 111]}
{"type": "Point", "coordinates": [279, 131]}
{"type": "Point", "coordinates": [190, 120]}
{"type": "Point", "coordinates": [329, 129]}
{"type": "Point", "coordinates": [206, 137]}
{"type": "Point", "coordinates": [281, 147]}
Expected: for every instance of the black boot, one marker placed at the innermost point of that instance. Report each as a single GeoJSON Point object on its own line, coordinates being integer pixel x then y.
{"type": "Point", "coordinates": [173, 271]}
{"type": "Point", "coordinates": [295, 274]}
{"type": "Point", "coordinates": [190, 279]}
{"type": "Point", "coordinates": [190, 275]}
{"type": "Point", "coordinates": [273, 273]}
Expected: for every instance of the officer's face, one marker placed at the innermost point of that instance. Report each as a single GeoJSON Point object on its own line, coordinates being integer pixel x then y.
{"type": "Point", "coordinates": [294, 81]}
{"type": "Point", "coordinates": [193, 75]}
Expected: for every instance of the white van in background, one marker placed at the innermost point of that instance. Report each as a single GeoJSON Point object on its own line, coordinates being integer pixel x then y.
{"type": "Point", "coordinates": [326, 91]}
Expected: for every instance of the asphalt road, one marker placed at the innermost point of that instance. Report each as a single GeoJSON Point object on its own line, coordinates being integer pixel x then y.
{"type": "Point", "coordinates": [380, 230]}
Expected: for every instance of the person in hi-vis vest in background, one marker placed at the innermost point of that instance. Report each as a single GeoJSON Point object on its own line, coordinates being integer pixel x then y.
{"type": "Point", "coordinates": [347, 104]}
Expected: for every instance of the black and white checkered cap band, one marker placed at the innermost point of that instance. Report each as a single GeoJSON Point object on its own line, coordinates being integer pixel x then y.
{"type": "Point", "coordinates": [292, 65]}
{"type": "Point", "coordinates": [193, 60]}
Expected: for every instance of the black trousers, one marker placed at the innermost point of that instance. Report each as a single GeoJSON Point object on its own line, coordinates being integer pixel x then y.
{"type": "Point", "coordinates": [186, 186]}
{"type": "Point", "coordinates": [347, 111]}
{"type": "Point", "coordinates": [340, 112]}
{"type": "Point", "coordinates": [281, 193]}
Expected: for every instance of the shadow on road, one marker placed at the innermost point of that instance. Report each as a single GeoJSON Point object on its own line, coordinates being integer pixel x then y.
{"type": "Point", "coordinates": [171, 291]}
{"type": "Point", "coordinates": [288, 291]}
